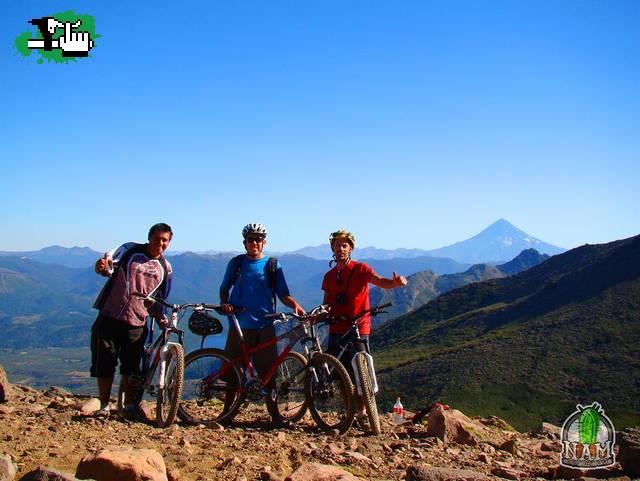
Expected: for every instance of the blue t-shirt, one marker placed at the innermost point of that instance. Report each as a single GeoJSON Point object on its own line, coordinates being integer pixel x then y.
{"type": "Point", "coordinates": [251, 291]}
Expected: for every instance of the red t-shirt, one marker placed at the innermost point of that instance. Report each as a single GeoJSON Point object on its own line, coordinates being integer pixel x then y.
{"type": "Point", "coordinates": [354, 277]}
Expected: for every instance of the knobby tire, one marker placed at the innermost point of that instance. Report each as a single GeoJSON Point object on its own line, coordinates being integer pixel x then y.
{"type": "Point", "coordinates": [330, 398]}
{"type": "Point", "coordinates": [169, 396]}
{"type": "Point", "coordinates": [368, 396]}
{"type": "Point", "coordinates": [209, 398]}
{"type": "Point", "coordinates": [286, 401]}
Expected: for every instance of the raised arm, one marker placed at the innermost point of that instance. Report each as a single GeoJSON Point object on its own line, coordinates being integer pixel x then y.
{"type": "Point", "coordinates": [388, 283]}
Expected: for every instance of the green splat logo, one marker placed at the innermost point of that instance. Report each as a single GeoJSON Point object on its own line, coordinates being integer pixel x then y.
{"type": "Point", "coordinates": [588, 438]}
{"type": "Point", "coordinates": [59, 38]}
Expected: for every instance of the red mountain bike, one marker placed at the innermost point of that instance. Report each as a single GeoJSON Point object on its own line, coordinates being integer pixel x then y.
{"type": "Point", "coordinates": [215, 386]}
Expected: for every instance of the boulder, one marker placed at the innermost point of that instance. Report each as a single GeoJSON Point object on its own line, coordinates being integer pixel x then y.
{"type": "Point", "coordinates": [450, 425]}
{"type": "Point", "coordinates": [321, 472]}
{"type": "Point", "coordinates": [423, 472]}
{"type": "Point", "coordinates": [629, 455]}
{"type": "Point", "coordinates": [123, 464]}
{"type": "Point", "coordinates": [549, 430]}
{"type": "Point", "coordinates": [88, 406]}
{"type": "Point", "coordinates": [5, 387]}
{"type": "Point", "coordinates": [510, 446]}
{"type": "Point", "coordinates": [506, 473]}
{"type": "Point", "coordinates": [7, 469]}
{"type": "Point", "coordinates": [46, 473]}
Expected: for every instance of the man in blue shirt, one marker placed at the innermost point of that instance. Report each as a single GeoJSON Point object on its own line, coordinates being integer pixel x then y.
{"type": "Point", "coordinates": [252, 287]}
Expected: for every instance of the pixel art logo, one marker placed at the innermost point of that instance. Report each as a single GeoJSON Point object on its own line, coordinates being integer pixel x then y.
{"type": "Point", "coordinates": [59, 37]}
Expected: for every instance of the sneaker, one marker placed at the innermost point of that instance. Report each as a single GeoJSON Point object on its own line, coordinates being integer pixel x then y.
{"type": "Point", "coordinates": [134, 413]}
{"type": "Point", "coordinates": [362, 421]}
{"type": "Point", "coordinates": [103, 412]}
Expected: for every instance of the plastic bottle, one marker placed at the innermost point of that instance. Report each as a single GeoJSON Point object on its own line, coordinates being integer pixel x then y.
{"type": "Point", "coordinates": [398, 412]}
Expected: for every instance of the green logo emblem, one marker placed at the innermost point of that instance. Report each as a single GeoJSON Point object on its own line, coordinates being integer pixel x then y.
{"type": "Point", "coordinates": [588, 437]}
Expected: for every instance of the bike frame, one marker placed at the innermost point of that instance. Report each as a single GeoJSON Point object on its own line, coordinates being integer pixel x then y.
{"type": "Point", "coordinates": [294, 335]}
{"type": "Point", "coordinates": [361, 348]}
{"type": "Point", "coordinates": [156, 355]}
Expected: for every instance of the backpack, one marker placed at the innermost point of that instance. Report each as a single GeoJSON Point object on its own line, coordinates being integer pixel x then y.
{"type": "Point", "coordinates": [270, 270]}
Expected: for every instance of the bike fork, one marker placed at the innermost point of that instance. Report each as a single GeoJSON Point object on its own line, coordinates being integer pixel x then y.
{"type": "Point", "coordinates": [372, 371]}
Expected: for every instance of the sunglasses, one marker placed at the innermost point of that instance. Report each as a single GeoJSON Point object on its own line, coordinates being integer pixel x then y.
{"type": "Point", "coordinates": [257, 240]}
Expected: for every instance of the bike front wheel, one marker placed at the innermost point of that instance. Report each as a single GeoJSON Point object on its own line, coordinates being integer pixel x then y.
{"type": "Point", "coordinates": [368, 395]}
{"type": "Point", "coordinates": [286, 401]}
{"type": "Point", "coordinates": [329, 393]}
{"type": "Point", "coordinates": [168, 397]}
{"type": "Point", "coordinates": [213, 388]}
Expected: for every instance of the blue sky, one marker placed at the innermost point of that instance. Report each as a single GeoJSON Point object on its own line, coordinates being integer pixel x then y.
{"type": "Point", "coordinates": [413, 124]}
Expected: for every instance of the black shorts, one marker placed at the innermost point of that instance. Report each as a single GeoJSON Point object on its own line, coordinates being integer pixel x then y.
{"type": "Point", "coordinates": [111, 340]}
{"type": "Point", "coordinates": [336, 341]}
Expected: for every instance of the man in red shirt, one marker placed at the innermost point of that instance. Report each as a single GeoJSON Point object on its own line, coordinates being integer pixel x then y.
{"type": "Point", "coordinates": [346, 290]}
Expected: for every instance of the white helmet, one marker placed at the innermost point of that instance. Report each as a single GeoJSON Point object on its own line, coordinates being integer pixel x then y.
{"type": "Point", "coordinates": [254, 228]}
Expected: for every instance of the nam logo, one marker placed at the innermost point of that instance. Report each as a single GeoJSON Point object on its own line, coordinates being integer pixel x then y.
{"type": "Point", "coordinates": [588, 438]}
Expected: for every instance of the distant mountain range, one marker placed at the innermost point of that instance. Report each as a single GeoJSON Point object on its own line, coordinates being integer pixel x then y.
{"type": "Point", "coordinates": [49, 305]}
{"type": "Point", "coordinates": [427, 285]}
{"type": "Point", "coordinates": [526, 347]}
{"type": "Point", "coordinates": [499, 242]}
{"type": "Point", "coordinates": [64, 256]}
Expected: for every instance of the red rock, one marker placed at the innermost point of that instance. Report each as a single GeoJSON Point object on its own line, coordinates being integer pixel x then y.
{"type": "Point", "coordinates": [629, 455]}
{"type": "Point", "coordinates": [356, 457]}
{"type": "Point", "coordinates": [123, 464]}
{"type": "Point", "coordinates": [550, 430]}
{"type": "Point", "coordinates": [46, 473]}
{"type": "Point", "coordinates": [482, 457]}
{"type": "Point", "coordinates": [510, 446]}
{"type": "Point", "coordinates": [7, 469]}
{"type": "Point", "coordinates": [551, 446]}
{"type": "Point", "coordinates": [450, 426]}
{"type": "Point", "coordinates": [506, 473]}
{"type": "Point", "coordinates": [5, 387]}
{"type": "Point", "coordinates": [424, 472]}
{"type": "Point", "coordinates": [321, 472]}
{"type": "Point", "coordinates": [336, 448]}
{"type": "Point", "coordinates": [88, 406]}
{"type": "Point", "coordinates": [565, 472]}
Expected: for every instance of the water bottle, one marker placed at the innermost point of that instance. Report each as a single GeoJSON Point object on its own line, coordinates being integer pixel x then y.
{"type": "Point", "coordinates": [398, 412]}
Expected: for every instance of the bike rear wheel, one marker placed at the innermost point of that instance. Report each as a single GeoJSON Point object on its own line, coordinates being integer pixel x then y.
{"type": "Point", "coordinates": [368, 395]}
{"type": "Point", "coordinates": [168, 397]}
{"type": "Point", "coordinates": [213, 388]}
{"type": "Point", "coordinates": [286, 401]}
{"type": "Point", "coordinates": [329, 393]}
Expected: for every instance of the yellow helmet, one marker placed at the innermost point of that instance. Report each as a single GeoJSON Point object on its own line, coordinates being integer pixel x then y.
{"type": "Point", "coordinates": [343, 234]}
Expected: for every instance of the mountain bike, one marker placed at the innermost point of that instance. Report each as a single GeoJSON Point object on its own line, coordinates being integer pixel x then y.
{"type": "Point", "coordinates": [366, 383]}
{"type": "Point", "coordinates": [162, 367]}
{"type": "Point", "coordinates": [328, 390]}
{"type": "Point", "coordinates": [216, 386]}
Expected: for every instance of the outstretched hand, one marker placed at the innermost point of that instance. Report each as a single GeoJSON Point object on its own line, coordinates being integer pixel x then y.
{"type": "Point", "coordinates": [399, 280]}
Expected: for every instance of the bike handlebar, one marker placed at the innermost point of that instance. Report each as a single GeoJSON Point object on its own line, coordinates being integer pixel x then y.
{"type": "Point", "coordinates": [179, 307]}
{"type": "Point", "coordinates": [285, 316]}
{"type": "Point", "coordinates": [354, 319]}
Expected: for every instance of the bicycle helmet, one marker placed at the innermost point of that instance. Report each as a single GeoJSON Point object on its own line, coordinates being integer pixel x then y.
{"type": "Point", "coordinates": [343, 234]}
{"type": "Point", "coordinates": [255, 229]}
{"type": "Point", "coordinates": [202, 323]}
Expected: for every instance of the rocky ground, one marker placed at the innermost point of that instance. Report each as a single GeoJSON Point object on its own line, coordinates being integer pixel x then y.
{"type": "Point", "coordinates": [49, 428]}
